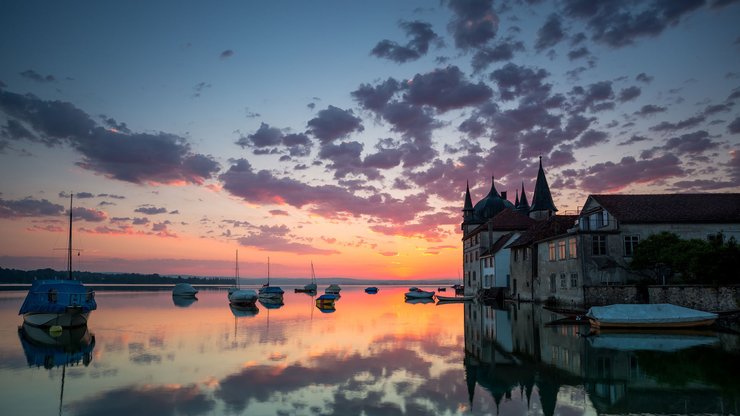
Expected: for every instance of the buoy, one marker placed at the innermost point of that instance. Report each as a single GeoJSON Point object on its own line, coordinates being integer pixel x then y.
{"type": "Point", "coordinates": [55, 330]}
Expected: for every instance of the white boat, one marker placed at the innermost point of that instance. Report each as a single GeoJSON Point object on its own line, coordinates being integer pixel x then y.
{"type": "Point", "coordinates": [311, 287]}
{"type": "Point", "coordinates": [270, 292]}
{"type": "Point", "coordinates": [333, 289]}
{"type": "Point", "coordinates": [65, 303]}
{"type": "Point", "coordinates": [238, 297]}
{"type": "Point", "coordinates": [656, 315]}
{"type": "Point", "coordinates": [451, 299]}
{"type": "Point", "coordinates": [416, 293]}
{"type": "Point", "coordinates": [184, 289]}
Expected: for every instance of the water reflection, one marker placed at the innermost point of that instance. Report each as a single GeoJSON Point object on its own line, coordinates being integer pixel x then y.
{"type": "Point", "coordinates": [372, 355]}
{"type": "Point", "coordinates": [184, 301]}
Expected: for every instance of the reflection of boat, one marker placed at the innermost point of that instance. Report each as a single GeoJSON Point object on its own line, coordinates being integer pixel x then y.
{"type": "Point", "coordinates": [664, 340]}
{"type": "Point", "coordinates": [184, 289]}
{"type": "Point", "coordinates": [270, 292]}
{"type": "Point", "coordinates": [326, 298]}
{"type": "Point", "coordinates": [271, 303]}
{"type": "Point", "coordinates": [659, 315]}
{"type": "Point", "coordinates": [414, 301]}
{"type": "Point", "coordinates": [184, 301]}
{"type": "Point", "coordinates": [333, 289]}
{"type": "Point", "coordinates": [244, 311]}
{"type": "Point", "coordinates": [326, 307]}
{"type": "Point", "coordinates": [50, 349]}
{"type": "Point", "coordinates": [451, 299]}
{"type": "Point", "coordinates": [416, 293]}
{"type": "Point", "coordinates": [371, 290]}
{"type": "Point", "coordinates": [311, 287]}
{"type": "Point", "coordinates": [64, 303]}
{"type": "Point", "coordinates": [238, 297]}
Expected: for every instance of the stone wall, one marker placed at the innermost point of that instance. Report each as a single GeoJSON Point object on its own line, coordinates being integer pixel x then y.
{"type": "Point", "coordinates": [707, 298]}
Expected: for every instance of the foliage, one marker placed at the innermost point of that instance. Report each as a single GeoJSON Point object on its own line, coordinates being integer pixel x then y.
{"type": "Point", "coordinates": [713, 261]}
{"type": "Point", "coordinates": [22, 276]}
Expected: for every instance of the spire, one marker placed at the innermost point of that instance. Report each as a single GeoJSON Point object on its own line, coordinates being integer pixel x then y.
{"type": "Point", "coordinates": [468, 202]}
{"type": "Point", "coordinates": [542, 199]}
{"type": "Point", "coordinates": [516, 201]}
{"type": "Point", "coordinates": [493, 191]}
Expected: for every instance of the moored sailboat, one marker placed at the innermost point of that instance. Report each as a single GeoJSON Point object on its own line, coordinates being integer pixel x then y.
{"type": "Point", "coordinates": [270, 292]}
{"type": "Point", "coordinates": [241, 298]}
{"type": "Point", "coordinates": [65, 303]}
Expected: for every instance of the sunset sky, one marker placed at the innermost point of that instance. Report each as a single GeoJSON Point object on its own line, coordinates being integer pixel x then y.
{"type": "Point", "coordinates": [343, 132]}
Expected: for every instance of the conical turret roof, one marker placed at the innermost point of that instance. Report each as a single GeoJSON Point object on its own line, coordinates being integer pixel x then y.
{"type": "Point", "coordinates": [523, 204]}
{"type": "Point", "coordinates": [542, 199]}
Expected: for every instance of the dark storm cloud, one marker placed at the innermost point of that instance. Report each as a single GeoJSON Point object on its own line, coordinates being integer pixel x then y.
{"type": "Point", "coordinates": [629, 93]}
{"type": "Point", "coordinates": [420, 34]}
{"type": "Point", "coordinates": [151, 210]}
{"type": "Point", "coordinates": [683, 124]}
{"type": "Point", "coordinates": [169, 400]}
{"type": "Point", "coordinates": [591, 138]}
{"type": "Point", "coordinates": [228, 53]}
{"type": "Point", "coordinates": [515, 81]}
{"type": "Point", "coordinates": [375, 98]}
{"type": "Point", "coordinates": [35, 76]}
{"type": "Point", "coordinates": [734, 126]}
{"type": "Point", "coordinates": [649, 109]}
{"type": "Point", "coordinates": [333, 123]}
{"type": "Point", "coordinates": [140, 158]}
{"type": "Point", "coordinates": [611, 177]}
{"type": "Point", "coordinates": [29, 207]}
{"type": "Point", "coordinates": [550, 34]}
{"type": "Point", "coordinates": [621, 23]}
{"type": "Point", "coordinates": [634, 139]}
{"type": "Point", "coordinates": [446, 89]}
{"type": "Point", "coordinates": [278, 238]}
{"type": "Point", "coordinates": [474, 23]}
{"type": "Point", "coordinates": [329, 201]}
{"type": "Point", "coordinates": [502, 52]}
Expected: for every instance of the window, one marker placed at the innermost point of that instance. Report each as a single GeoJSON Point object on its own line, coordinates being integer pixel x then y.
{"type": "Point", "coordinates": [573, 279]}
{"type": "Point", "coordinates": [551, 250]}
{"type": "Point", "coordinates": [561, 250]}
{"type": "Point", "coordinates": [630, 244]}
{"type": "Point", "coordinates": [563, 282]}
{"type": "Point", "coordinates": [552, 283]}
{"type": "Point", "coordinates": [516, 254]}
{"type": "Point", "coordinates": [599, 245]}
{"type": "Point", "coordinates": [572, 248]}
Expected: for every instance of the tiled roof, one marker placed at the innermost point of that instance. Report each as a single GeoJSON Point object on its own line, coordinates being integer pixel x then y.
{"type": "Point", "coordinates": [498, 245]}
{"type": "Point", "coordinates": [672, 208]}
{"type": "Point", "coordinates": [555, 225]}
{"type": "Point", "coordinates": [508, 220]}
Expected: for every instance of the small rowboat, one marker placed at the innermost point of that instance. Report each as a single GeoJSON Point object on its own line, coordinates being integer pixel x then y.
{"type": "Point", "coordinates": [455, 298]}
{"type": "Point", "coordinates": [658, 315]}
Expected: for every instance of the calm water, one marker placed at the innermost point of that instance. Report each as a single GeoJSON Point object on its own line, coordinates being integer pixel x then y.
{"type": "Point", "coordinates": [145, 354]}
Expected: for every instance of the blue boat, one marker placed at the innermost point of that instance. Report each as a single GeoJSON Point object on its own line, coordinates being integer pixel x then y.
{"type": "Point", "coordinates": [371, 290]}
{"type": "Point", "coordinates": [66, 303]}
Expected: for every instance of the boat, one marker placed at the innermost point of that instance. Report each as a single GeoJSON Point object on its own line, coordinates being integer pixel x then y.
{"type": "Point", "coordinates": [326, 298]}
{"type": "Point", "coordinates": [655, 315]}
{"type": "Point", "coordinates": [270, 292]}
{"type": "Point", "coordinates": [414, 301]}
{"type": "Point", "coordinates": [184, 290]}
{"type": "Point", "coordinates": [311, 287]}
{"type": "Point", "coordinates": [371, 290]}
{"type": "Point", "coordinates": [450, 299]}
{"type": "Point", "coordinates": [416, 293]}
{"type": "Point", "coordinates": [65, 303]}
{"type": "Point", "coordinates": [238, 297]}
{"type": "Point", "coordinates": [333, 289]}
{"type": "Point", "coordinates": [441, 289]}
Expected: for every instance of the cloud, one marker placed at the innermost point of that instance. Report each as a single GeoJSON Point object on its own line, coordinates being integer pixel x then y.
{"type": "Point", "coordinates": [147, 399]}
{"type": "Point", "coordinates": [446, 89]}
{"type": "Point", "coordinates": [29, 207]}
{"type": "Point", "coordinates": [628, 94]}
{"type": "Point", "coordinates": [35, 76]}
{"type": "Point", "coordinates": [502, 52]}
{"type": "Point", "coordinates": [421, 35]}
{"type": "Point", "coordinates": [90, 215]}
{"type": "Point", "coordinates": [649, 109]}
{"type": "Point", "coordinates": [376, 98]}
{"type": "Point", "coordinates": [474, 23]}
{"type": "Point", "coordinates": [581, 52]}
{"type": "Point", "coordinates": [683, 124]}
{"type": "Point", "coordinates": [643, 77]}
{"type": "Point", "coordinates": [514, 81]}
{"type": "Point", "coordinates": [199, 87]}
{"type": "Point", "coordinates": [228, 53]}
{"type": "Point", "coordinates": [278, 238]}
{"type": "Point", "coordinates": [633, 140]}
{"type": "Point", "coordinates": [429, 227]}
{"type": "Point", "coordinates": [154, 158]}
{"type": "Point", "coordinates": [550, 34]}
{"type": "Point", "coordinates": [734, 126]}
{"type": "Point", "coordinates": [267, 139]}
{"type": "Point", "coordinates": [612, 177]}
{"type": "Point", "coordinates": [592, 97]}
{"type": "Point", "coordinates": [151, 210]}
{"type": "Point", "coordinates": [333, 123]}
{"type": "Point", "coordinates": [591, 138]}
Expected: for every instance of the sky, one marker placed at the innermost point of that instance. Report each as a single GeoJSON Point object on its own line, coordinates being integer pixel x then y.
{"type": "Point", "coordinates": [343, 133]}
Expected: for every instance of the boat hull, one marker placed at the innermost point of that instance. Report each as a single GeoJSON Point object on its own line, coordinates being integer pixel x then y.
{"type": "Point", "coordinates": [72, 318]}
{"type": "Point", "coordinates": [648, 316]}
{"type": "Point", "coordinates": [647, 325]}
{"type": "Point", "coordinates": [455, 298]}
{"type": "Point", "coordinates": [419, 295]}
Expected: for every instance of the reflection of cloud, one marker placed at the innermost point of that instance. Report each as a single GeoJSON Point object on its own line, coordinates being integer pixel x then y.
{"type": "Point", "coordinates": [146, 400]}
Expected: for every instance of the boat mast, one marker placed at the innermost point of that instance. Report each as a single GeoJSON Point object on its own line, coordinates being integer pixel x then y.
{"type": "Point", "coordinates": [69, 245]}
{"type": "Point", "coordinates": [236, 271]}
{"type": "Point", "coordinates": [268, 270]}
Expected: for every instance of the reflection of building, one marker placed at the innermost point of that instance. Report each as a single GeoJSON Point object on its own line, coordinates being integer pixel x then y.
{"type": "Point", "coordinates": [557, 366]}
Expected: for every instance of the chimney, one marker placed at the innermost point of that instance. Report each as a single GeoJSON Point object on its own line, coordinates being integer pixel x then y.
{"type": "Point", "coordinates": [503, 194]}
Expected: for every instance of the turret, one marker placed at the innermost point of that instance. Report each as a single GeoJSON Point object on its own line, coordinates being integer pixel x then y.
{"type": "Point", "coordinates": [542, 205]}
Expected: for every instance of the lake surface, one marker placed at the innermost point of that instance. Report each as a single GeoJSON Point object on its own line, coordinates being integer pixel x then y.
{"type": "Point", "coordinates": [143, 353]}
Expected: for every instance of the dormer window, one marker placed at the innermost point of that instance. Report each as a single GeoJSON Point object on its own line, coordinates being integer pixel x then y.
{"type": "Point", "coordinates": [594, 220]}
